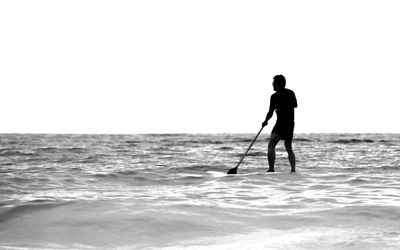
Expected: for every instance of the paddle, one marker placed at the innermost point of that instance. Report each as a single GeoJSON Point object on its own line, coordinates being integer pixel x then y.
{"type": "Point", "coordinates": [234, 170]}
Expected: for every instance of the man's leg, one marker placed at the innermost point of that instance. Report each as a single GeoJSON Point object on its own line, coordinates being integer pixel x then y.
{"type": "Point", "coordinates": [291, 156]}
{"type": "Point", "coordinates": [271, 151]}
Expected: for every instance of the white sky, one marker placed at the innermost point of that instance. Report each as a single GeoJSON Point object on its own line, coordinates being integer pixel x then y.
{"type": "Point", "coordinates": [197, 66]}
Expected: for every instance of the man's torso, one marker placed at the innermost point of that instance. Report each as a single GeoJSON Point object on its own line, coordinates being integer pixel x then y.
{"type": "Point", "coordinates": [284, 101]}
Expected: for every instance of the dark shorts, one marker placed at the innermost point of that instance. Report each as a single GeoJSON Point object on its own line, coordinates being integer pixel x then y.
{"type": "Point", "coordinates": [284, 130]}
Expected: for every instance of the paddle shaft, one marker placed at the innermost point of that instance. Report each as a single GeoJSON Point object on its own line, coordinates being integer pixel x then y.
{"type": "Point", "coordinates": [259, 132]}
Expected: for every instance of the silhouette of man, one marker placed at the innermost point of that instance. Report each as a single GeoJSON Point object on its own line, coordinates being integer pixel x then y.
{"type": "Point", "coordinates": [283, 101]}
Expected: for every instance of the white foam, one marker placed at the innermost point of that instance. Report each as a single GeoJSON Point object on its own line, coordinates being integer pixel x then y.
{"type": "Point", "coordinates": [301, 238]}
{"type": "Point", "coordinates": [216, 174]}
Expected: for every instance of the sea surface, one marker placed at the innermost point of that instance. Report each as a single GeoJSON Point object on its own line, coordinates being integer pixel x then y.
{"type": "Point", "coordinates": [171, 191]}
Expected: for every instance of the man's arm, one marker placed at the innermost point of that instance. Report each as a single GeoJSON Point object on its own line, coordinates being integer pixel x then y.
{"type": "Point", "coordinates": [294, 101]}
{"type": "Point", "coordinates": [270, 113]}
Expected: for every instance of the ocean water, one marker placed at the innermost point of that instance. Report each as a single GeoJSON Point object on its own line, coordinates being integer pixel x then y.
{"type": "Point", "coordinates": [172, 192]}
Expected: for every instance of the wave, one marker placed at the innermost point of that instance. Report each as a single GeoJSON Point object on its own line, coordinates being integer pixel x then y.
{"type": "Point", "coordinates": [52, 149]}
{"type": "Point", "coordinates": [302, 139]}
{"type": "Point", "coordinates": [48, 149]}
{"type": "Point", "coordinates": [358, 180]}
{"type": "Point", "coordinates": [7, 153]}
{"type": "Point", "coordinates": [352, 141]}
{"type": "Point", "coordinates": [92, 158]}
{"type": "Point", "coordinates": [133, 179]}
{"type": "Point", "coordinates": [6, 164]}
{"type": "Point", "coordinates": [134, 175]}
{"type": "Point", "coordinates": [226, 148]}
{"type": "Point", "coordinates": [257, 153]}
{"type": "Point", "coordinates": [120, 173]}
{"type": "Point", "coordinates": [365, 211]}
{"type": "Point", "coordinates": [388, 167]}
{"type": "Point", "coordinates": [134, 142]}
{"type": "Point", "coordinates": [166, 135]}
{"type": "Point", "coordinates": [243, 140]}
{"type": "Point", "coordinates": [199, 168]}
{"type": "Point", "coordinates": [252, 154]}
{"type": "Point", "coordinates": [127, 172]}
{"type": "Point", "coordinates": [181, 175]}
{"type": "Point", "coordinates": [76, 149]}
{"type": "Point", "coordinates": [105, 175]}
{"type": "Point", "coordinates": [28, 207]}
{"type": "Point", "coordinates": [202, 141]}
{"type": "Point", "coordinates": [188, 178]}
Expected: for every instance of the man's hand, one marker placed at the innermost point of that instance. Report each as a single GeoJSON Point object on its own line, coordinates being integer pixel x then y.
{"type": "Point", "coordinates": [265, 123]}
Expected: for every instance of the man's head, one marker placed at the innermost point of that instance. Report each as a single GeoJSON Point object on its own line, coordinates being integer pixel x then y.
{"type": "Point", "coordinates": [279, 82]}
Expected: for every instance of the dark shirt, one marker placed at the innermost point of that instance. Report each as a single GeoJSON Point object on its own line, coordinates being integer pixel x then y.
{"type": "Point", "coordinates": [284, 101]}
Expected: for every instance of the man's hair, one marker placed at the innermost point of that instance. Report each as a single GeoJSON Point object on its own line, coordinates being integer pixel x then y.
{"type": "Point", "coordinates": [280, 81]}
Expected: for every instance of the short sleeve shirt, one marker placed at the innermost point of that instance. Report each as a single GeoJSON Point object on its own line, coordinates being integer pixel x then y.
{"type": "Point", "coordinates": [284, 101]}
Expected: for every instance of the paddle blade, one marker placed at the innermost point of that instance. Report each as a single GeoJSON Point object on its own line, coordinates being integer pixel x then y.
{"type": "Point", "coordinates": [233, 171]}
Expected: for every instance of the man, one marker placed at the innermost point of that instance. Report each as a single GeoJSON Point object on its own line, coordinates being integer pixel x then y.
{"type": "Point", "coordinates": [283, 101]}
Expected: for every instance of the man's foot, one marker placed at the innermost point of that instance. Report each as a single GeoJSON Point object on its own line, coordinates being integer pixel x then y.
{"type": "Point", "coordinates": [293, 171]}
{"type": "Point", "coordinates": [271, 170]}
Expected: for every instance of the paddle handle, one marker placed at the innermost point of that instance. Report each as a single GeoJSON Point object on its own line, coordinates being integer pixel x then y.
{"type": "Point", "coordinates": [259, 132]}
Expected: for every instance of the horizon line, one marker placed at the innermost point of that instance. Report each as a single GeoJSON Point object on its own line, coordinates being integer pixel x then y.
{"type": "Point", "coordinates": [180, 133]}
